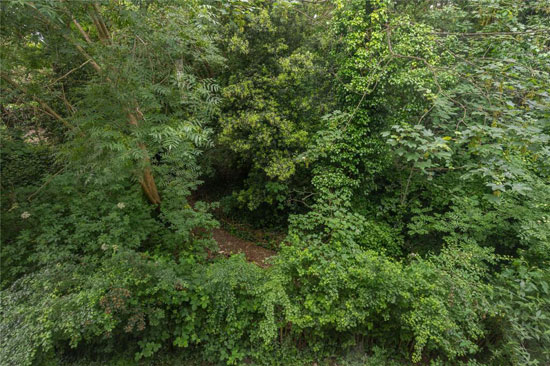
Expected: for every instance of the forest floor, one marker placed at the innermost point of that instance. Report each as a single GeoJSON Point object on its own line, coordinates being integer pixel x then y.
{"type": "Point", "coordinates": [230, 244]}
{"type": "Point", "coordinates": [232, 237]}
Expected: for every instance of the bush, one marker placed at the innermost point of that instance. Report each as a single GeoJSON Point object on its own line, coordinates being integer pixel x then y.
{"type": "Point", "coordinates": [521, 325]}
{"type": "Point", "coordinates": [134, 302]}
{"type": "Point", "coordinates": [425, 308]}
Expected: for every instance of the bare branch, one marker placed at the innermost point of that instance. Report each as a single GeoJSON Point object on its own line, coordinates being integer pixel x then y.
{"type": "Point", "coordinates": [70, 72]}
{"type": "Point", "coordinates": [45, 184]}
{"type": "Point", "coordinates": [81, 30]}
{"type": "Point", "coordinates": [42, 103]}
{"type": "Point", "coordinates": [100, 24]}
{"type": "Point", "coordinates": [491, 34]}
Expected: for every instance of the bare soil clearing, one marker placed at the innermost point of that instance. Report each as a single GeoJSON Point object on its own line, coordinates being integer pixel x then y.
{"type": "Point", "coordinates": [230, 244]}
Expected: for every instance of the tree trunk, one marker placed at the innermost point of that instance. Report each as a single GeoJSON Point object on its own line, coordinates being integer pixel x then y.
{"type": "Point", "coordinates": [147, 179]}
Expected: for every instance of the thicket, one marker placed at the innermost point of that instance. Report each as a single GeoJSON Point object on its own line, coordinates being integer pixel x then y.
{"type": "Point", "coordinates": [404, 146]}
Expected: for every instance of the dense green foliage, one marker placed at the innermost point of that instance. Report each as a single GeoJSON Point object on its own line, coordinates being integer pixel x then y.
{"type": "Point", "coordinates": [403, 147]}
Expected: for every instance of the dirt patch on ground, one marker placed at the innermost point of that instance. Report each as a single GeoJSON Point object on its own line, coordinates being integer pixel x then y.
{"type": "Point", "coordinates": [230, 244]}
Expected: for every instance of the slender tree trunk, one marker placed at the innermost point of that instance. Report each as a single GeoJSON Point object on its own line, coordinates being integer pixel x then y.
{"type": "Point", "coordinates": [147, 180]}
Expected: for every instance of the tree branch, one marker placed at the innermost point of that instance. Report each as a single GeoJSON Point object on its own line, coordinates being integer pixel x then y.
{"type": "Point", "coordinates": [489, 34]}
{"type": "Point", "coordinates": [100, 24]}
{"type": "Point", "coordinates": [70, 72]}
{"type": "Point", "coordinates": [42, 103]}
{"type": "Point", "coordinates": [45, 184]}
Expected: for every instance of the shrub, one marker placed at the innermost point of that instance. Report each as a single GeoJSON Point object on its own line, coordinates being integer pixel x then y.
{"type": "Point", "coordinates": [521, 325]}
{"type": "Point", "coordinates": [426, 308]}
